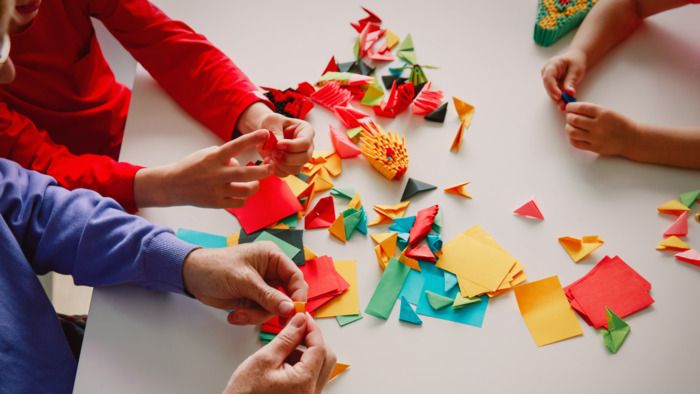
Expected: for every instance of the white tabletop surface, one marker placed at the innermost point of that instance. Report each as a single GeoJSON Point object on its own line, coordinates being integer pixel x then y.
{"type": "Point", "coordinates": [141, 341]}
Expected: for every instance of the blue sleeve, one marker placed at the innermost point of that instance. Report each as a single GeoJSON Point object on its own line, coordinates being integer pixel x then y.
{"type": "Point", "coordinates": [82, 234]}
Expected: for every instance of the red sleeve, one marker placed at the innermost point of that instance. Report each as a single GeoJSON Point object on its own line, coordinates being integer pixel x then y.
{"type": "Point", "coordinates": [22, 142]}
{"type": "Point", "coordinates": [199, 77]}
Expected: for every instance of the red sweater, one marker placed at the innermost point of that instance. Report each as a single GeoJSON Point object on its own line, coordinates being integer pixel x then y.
{"type": "Point", "coordinates": [64, 114]}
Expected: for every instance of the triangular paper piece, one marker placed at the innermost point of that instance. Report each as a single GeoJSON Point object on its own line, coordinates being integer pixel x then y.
{"type": "Point", "coordinates": [322, 215]}
{"type": "Point", "coordinates": [344, 193]}
{"type": "Point", "coordinates": [617, 332]}
{"type": "Point", "coordinates": [343, 145]}
{"type": "Point", "coordinates": [458, 190]}
{"type": "Point", "coordinates": [450, 281]}
{"type": "Point", "coordinates": [373, 96]}
{"type": "Point", "coordinates": [406, 50]}
{"type": "Point", "coordinates": [391, 39]}
{"type": "Point", "coordinates": [423, 225]}
{"type": "Point", "coordinates": [297, 185]}
{"type": "Point", "coordinates": [381, 237]}
{"type": "Point", "coordinates": [355, 202]}
{"type": "Point", "coordinates": [350, 117]}
{"type": "Point", "coordinates": [672, 243]}
{"type": "Point", "coordinates": [321, 181]}
{"type": "Point", "coordinates": [409, 261]}
{"type": "Point", "coordinates": [403, 225]}
{"type": "Point", "coordinates": [672, 207]}
{"type": "Point", "coordinates": [427, 100]}
{"type": "Point", "coordinates": [688, 198]}
{"type": "Point", "coordinates": [529, 209]}
{"type": "Point", "coordinates": [690, 256]}
{"type": "Point", "coordinates": [460, 301]}
{"type": "Point", "coordinates": [347, 319]}
{"type": "Point", "coordinates": [465, 111]}
{"type": "Point", "coordinates": [332, 66]}
{"type": "Point", "coordinates": [421, 253]}
{"type": "Point", "coordinates": [407, 314]}
{"type": "Point", "coordinates": [337, 229]}
{"type": "Point", "coordinates": [437, 301]}
{"type": "Point", "coordinates": [309, 254]}
{"type": "Point", "coordinates": [338, 370]}
{"type": "Point", "coordinates": [414, 186]}
{"type": "Point", "coordinates": [578, 249]}
{"type": "Point", "coordinates": [352, 221]}
{"type": "Point", "coordinates": [457, 141]}
{"type": "Point", "coordinates": [438, 115]}
{"type": "Point", "coordinates": [679, 228]}
{"type": "Point", "coordinates": [388, 80]}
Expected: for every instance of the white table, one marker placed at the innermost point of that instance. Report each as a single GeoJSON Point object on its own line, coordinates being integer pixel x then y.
{"type": "Point", "coordinates": [141, 341]}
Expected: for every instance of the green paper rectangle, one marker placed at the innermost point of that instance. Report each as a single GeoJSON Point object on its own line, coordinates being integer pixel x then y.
{"type": "Point", "coordinates": [199, 238]}
{"type": "Point", "coordinates": [388, 289]}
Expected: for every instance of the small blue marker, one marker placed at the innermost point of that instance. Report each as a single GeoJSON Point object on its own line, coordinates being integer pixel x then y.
{"type": "Point", "coordinates": [567, 99]}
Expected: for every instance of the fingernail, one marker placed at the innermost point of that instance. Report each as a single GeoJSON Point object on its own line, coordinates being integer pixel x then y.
{"type": "Point", "coordinates": [286, 308]}
{"type": "Point", "coordinates": [297, 321]}
{"type": "Point", "coordinates": [239, 317]}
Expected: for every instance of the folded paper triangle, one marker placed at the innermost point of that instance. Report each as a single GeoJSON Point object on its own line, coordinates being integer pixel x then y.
{"type": "Point", "coordinates": [350, 117]}
{"type": "Point", "coordinates": [421, 253]}
{"type": "Point", "coordinates": [437, 301]}
{"type": "Point", "coordinates": [672, 207]}
{"type": "Point", "coordinates": [407, 314]}
{"type": "Point", "coordinates": [672, 243]}
{"type": "Point", "coordinates": [332, 66]}
{"type": "Point", "coordinates": [343, 146]}
{"type": "Point", "coordinates": [438, 115]}
{"type": "Point", "coordinates": [465, 111]}
{"type": "Point", "coordinates": [457, 141]}
{"type": "Point", "coordinates": [458, 190]}
{"type": "Point", "coordinates": [450, 281]}
{"type": "Point", "coordinates": [414, 186]}
{"type": "Point", "coordinates": [530, 209]}
{"type": "Point", "coordinates": [460, 301]}
{"type": "Point", "coordinates": [427, 100]}
{"type": "Point", "coordinates": [679, 227]}
{"type": "Point", "coordinates": [322, 215]}
{"type": "Point", "coordinates": [423, 225]}
{"type": "Point", "coordinates": [578, 249]}
{"type": "Point", "coordinates": [690, 256]}
{"type": "Point", "coordinates": [617, 332]}
{"type": "Point", "coordinates": [337, 229]}
{"type": "Point", "coordinates": [688, 198]}
{"type": "Point", "coordinates": [413, 263]}
{"type": "Point", "coordinates": [338, 370]}
{"type": "Point", "coordinates": [273, 202]}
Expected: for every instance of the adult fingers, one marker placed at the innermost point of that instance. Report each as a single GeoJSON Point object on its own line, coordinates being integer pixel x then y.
{"type": "Point", "coordinates": [314, 356]}
{"type": "Point", "coordinates": [242, 144]}
{"type": "Point", "coordinates": [291, 336]}
{"type": "Point", "coordinates": [281, 269]}
{"type": "Point", "coordinates": [580, 121]}
{"type": "Point", "coordinates": [248, 316]}
{"type": "Point", "coordinates": [583, 108]}
{"type": "Point", "coordinates": [269, 298]}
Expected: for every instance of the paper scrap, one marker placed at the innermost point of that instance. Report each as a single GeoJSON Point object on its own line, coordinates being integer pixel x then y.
{"type": "Point", "coordinates": [345, 320]}
{"type": "Point", "coordinates": [407, 314]}
{"type": "Point", "coordinates": [530, 210]}
{"type": "Point", "coordinates": [414, 187]}
{"type": "Point", "coordinates": [288, 249]}
{"type": "Point", "coordinates": [689, 198]}
{"type": "Point", "coordinates": [546, 311]}
{"type": "Point", "coordinates": [672, 243]}
{"type": "Point", "coordinates": [690, 256]}
{"type": "Point", "coordinates": [273, 202]}
{"type": "Point", "coordinates": [205, 240]}
{"type": "Point", "coordinates": [387, 291]}
{"type": "Point", "coordinates": [673, 207]}
{"type": "Point", "coordinates": [459, 189]}
{"type": "Point", "coordinates": [347, 303]}
{"type": "Point", "coordinates": [299, 306]}
{"type": "Point", "coordinates": [322, 215]}
{"type": "Point", "coordinates": [437, 301]}
{"type": "Point", "coordinates": [617, 332]}
{"type": "Point", "coordinates": [679, 227]}
{"type": "Point", "coordinates": [578, 249]}
{"type": "Point", "coordinates": [338, 370]}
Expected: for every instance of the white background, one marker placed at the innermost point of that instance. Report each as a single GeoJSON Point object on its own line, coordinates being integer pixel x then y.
{"type": "Point", "coordinates": [140, 341]}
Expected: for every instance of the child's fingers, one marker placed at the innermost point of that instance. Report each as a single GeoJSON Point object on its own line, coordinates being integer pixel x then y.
{"type": "Point", "coordinates": [247, 173]}
{"type": "Point", "coordinates": [295, 159]}
{"type": "Point", "coordinates": [242, 144]}
{"type": "Point", "coordinates": [580, 121]}
{"type": "Point", "coordinates": [573, 77]}
{"type": "Point", "coordinates": [583, 108]}
{"type": "Point", "coordinates": [583, 145]}
{"type": "Point", "coordinates": [241, 189]}
{"type": "Point", "coordinates": [577, 134]}
{"type": "Point", "coordinates": [551, 82]}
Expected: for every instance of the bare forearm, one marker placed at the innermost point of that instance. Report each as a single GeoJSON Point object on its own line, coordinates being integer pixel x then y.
{"type": "Point", "coordinates": [677, 147]}
{"type": "Point", "coordinates": [251, 119]}
{"type": "Point", "coordinates": [611, 21]}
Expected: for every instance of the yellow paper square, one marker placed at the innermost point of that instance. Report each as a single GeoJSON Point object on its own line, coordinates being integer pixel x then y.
{"type": "Point", "coordinates": [546, 311]}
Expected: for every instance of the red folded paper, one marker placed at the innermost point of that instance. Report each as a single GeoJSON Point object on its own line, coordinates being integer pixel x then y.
{"type": "Point", "coordinates": [273, 202]}
{"type": "Point", "coordinates": [423, 224]}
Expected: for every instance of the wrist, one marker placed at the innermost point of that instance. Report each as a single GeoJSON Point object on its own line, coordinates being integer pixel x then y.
{"type": "Point", "coordinates": [151, 187]}
{"type": "Point", "coordinates": [633, 141]}
{"type": "Point", "coordinates": [188, 268]}
{"type": "Point", "coordinates": [252, 118]}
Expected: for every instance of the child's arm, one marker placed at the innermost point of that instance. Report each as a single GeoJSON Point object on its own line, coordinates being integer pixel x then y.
{"type": "Point", "coordinates": [608, 24]}
{"type": "Point", "coordinates": [598, 129]}
{"type": "Point", "coordinates": [202, 79]}
{"type": "Point", "coordinates": [205, 178]}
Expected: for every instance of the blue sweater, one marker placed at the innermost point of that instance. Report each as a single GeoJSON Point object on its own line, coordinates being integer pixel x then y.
{"type": "Point", "coordinates": [43, 228]}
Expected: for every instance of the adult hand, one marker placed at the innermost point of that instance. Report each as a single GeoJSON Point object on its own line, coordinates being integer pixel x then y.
{"type": "Point", "coordinates": [210, 177]}
{"type": "Point", "coordinates": [600, 130]}
{"type": "Point", "coordinates": [245, 278]}
{"type": "Point", "coordinates": [269, 370]}
{"type": "Point", "coordinates": [563, 73]}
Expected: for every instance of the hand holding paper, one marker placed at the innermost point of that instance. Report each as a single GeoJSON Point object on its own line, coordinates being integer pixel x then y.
{"type": "Point", "coordinates": [280, 367]}
{"type": "Point", "coordinates": [244, 278]}
{"type": "Point", "coordinates": [295, 142]}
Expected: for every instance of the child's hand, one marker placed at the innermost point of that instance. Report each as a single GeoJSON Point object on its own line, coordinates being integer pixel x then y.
{"type": "Point", "coordinates": [600, 130]}
{"type": "Point", "coordinates": [297, 146]}
{"type": "Point", "coordinates": [563, 72]}
{"type": "Point", "coordinates": [210, 177]}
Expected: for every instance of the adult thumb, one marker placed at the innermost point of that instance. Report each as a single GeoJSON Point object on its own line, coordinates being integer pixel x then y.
{"type": "Point", "coordinates": [269, 298]}
{"type": "Point", "coordinates": [291, 336]}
